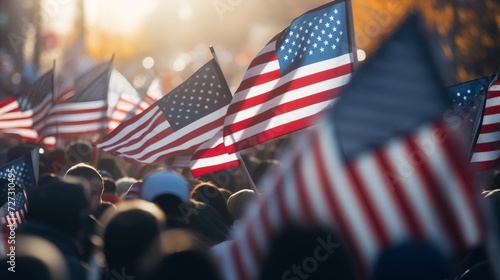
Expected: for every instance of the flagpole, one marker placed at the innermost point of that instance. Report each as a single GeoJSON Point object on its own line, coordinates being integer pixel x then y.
{"type": "Point", "coordinates": [240, 159]}
{"type": "Point", "coordinates": [351, 36]}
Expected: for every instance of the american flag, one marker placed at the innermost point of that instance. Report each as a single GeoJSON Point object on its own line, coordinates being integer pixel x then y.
{"type": "Point", "coordinates": [468, 100]}
{"type": "Point", "coordinates": [293, 78]}
{"type": "Point", "coordinates": [37, 99]}
{"type": "Point", "coordinates": [211, 157]}
{"type": "Point", "coordinates": [487, 146]}
{"type": "Point", "coordinates": [178, 123]}
{"type": "Point", "coordinates": [124, 101]}
{"type": "Point", "coordinates": [24, 116]}
{"type": "Point", "coordinates": [85, 112]}
{"type": "Point", "coordinates": [153, 93]}
{"type": "Point", "coordinates": [22, 175]}
{"type": "Point", "coordinates": [383, 168]}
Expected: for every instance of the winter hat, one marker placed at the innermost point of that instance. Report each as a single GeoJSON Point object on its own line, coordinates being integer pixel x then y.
{"type": "Point", "coordinates": [165, 182]}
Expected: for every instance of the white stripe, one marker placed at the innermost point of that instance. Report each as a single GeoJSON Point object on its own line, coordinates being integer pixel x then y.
{"type": "Point", "coordinates": [449, 183]}
{"type": "Point", "coordinates": [24, 132]}
{"type": "Point", "coordinates": [74, 116]}
{"type": "Point", "coordinates": [491, 119]}
{"type": "Point", "coordinates": [9, 107]}
{"type": "Point", "coordinates": [495, 87]}
{"type": "Point", "coordinates": [277, 121]}
{"type": "Point", "coordinates": [489, 137]}
{"type": "Point", "coordinates": [79, 106]}
{"type": "Point", "coordinates": [492, 102]}
{"type": "Point", "coordinates": [413, 188]}
{"type": "Point", "coordinates": [71, 128]}
{"type": "Point", "coordinates": [376, 188]}
{"type": "Point", "coordinates": [173, 136]}
{"type": "Point", "coordinates": [485, 156]}
{"type": "Point", "coordinates": [298, 73]}
{"type": "Point", "coordinates": [262, 68]}
{"type": "Point", "coordinates": [313, 186]}
{"type": "Point", "coordinates": [123, 136]}
{"type": "Point", "coordinates": [22, 123]}
{"type": "Point", "coordinates": [206, 162]}
{"type": "Point", "coordinates": [350, 205]}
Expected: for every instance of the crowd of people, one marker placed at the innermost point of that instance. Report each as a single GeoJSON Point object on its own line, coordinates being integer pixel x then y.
{"type": "Point", "coordinates": [86, 222]}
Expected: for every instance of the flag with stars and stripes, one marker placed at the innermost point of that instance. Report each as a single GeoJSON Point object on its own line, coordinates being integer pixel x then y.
{"type": "Point", "coordinates": [86, 107]}
{"type": "Point", "coordinates": [486, 153]}
{"type": "Point", "coordinates": [124, 101]}
{"type": "Point", "coordinates": [296, 76]}
{"type": "Point", "coordinates": [383, 168]}
{"type": "Point", "coordinates": [178, 123]}
{"type": "Point", "coordinates": [17, 178]}
{"type": "Point", "coordinates": [468, 103]}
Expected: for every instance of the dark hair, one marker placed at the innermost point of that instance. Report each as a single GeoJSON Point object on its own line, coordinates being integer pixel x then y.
{"type": "Point", "coordinates": [84, 170]}
{"type": "Point", "coordinates": [208, 193]}
{"type": "Point", "coordinates": [109, 186]}
{"type": "Point", "coordinates": [60, 205]}
{"type": "Point", "coordinates": [78, 151]}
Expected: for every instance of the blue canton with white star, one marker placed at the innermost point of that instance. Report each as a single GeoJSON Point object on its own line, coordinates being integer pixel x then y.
{"type": "Point", "coordinates": [315, 36]}
{"type": "Point", "coordinates": [464, 94]}
{"type": "Point", "coordinates": [206, 91]}
{"type": "Point", "coordinates": [23, 175]}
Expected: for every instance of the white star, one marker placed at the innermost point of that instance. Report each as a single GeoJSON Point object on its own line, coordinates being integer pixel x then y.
{"type": "Point", "coordinates": [341, 32]}
{"type": "Point", "coordinates": [327, 24]}
{"type": "Point", "coordinates": [322, 49]}
{"type": "Point", "coordinates": [326, 43]}
{"type": "Point", "coordinates": [468, 91]}
{"type": "Point", "coordinates": [331, 18]}
{"type": "Point", "coordinates": [330, 35]}
{"type": "Point", "coordinates": [300, 28]}
{"type": "Point", "coordinates": [320, 20]}
{"type": "Point", "coordinates": [323, 32]}
{"type": "Point", "coordinates": [338, 22]}
{"type": "Point", "coordinates": [316, 27]}
{"type": "Point", "coordinates": [208, 99]}
{"type": "Point", "coordinates": [310, 52]}
{"type": "Point", "coordinates": [319, 38]}
{"type": "Point", "coordinates": [310, 23]}
{"type": "Point", "coordinates": [286, 57]}
{"type": "Point", "coordinates": [308, 41]}
{"type": "Point", "coordinates": [334, 29]}
{"type": "Point", "coordinates": [215, 101]}
{"type": "Point", "coordinates": [206, 107]}
{"type": "Point", "coordinates": [199, 97]}
{"type": "Point", "coordinates": [289, 50]}
{"type": "Point", "coordinates": [293, 43]}
{"type": "Point", "coordinates": [315, 45]}
{"type": "Point", "coordinates": [336, 11]}
{"type": "Point", "coordinates": [173, 102]}
{"type": "Point", "coordinates": [465, 97]}
{"type": "Point", "coordinates": [291, 33]}
{"type": "Point", "coordinates": [304, 48]}
{"type": "Point", "coordinates": [334, 47]}
{"type": "Point", "coordinates": [303, 38]}
{"type": "Point", "coordinates": [282, 48]}
{"type": "Point", "coordinates": [287, 40]}
{"type": "Point", "coordinates": [458, 93]}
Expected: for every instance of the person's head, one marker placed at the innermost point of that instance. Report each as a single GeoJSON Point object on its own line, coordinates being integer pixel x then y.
{"type": "Point", "coordinates": [306, 253]}
{"type": "Point", "coordinates": [238, 203]}
{"type": "Point", "coordinates": [94, 180]}
{"type": "Point", "coordinates": [167, 189]}
{"type": "Point", "coordinates": [35, 258]}
{"type": "Point", "coordinates": [109, 186]}
{"type": "Point", "coordinates": [178, 254]}
{"type": "Point", "coordinates": [60, 205]}
{"type": "Point", "coordinates": [413, 261]}
{"type": "Point", "coordinates": [128, 231]}
{"type": "Point", "coordinates": [78, 151]}
{"type": "Point", "coordinates": [123, 185]}
{"type": "Point", "coordinates": [208, 193]}
{"type": "Point", "coordinates": [225, 193]}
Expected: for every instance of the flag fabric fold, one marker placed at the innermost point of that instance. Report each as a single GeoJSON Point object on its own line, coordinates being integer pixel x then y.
{"type": "Point", "coordinates": [124, 101]}
{"type": "Point", "coordinates": [381, 168]}
{"type": "Point", "coordinates": [293, 78]}
{"type": "Point", "coordinates": [212, 156]}
{"type": "Point", "coordinates": [85, 111]}
{"type": "Point", "coordinates": [486, 154]}
{"type": "Point", "coordinates": [178, 123]}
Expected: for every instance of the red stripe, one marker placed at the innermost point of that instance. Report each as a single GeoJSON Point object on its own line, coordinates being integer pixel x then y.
{"type": "Point", "coordinates": [262, 58]}
{"type": "Point", "coordinates": [467, 185]}
{"type": "Point", "coordinates": [487, 147]}
{"type": "Point", "coordinates": [218, 150]}
{"type": "Point", "coordinates": [492, 110]}
{"type": "Point", "coordinates": [157, 119]}
{"type": "Point", "coordinates": [398, 197]}
{"type": "Point", "coordinates": [434, 194]}
{"type": "Point", "coordinates": [240, 271]}
{"type": "Point", "coordinates": [489, 128]}
{"type": "Point", "coordinates": [272, 133]}
{"type": "Point", "coordinates": [301, 187]}
{"type": "Point", "coordinates": [366, 206]}
{"type": "Point", "coordinates": [200, 171]}
{"type": "Point", "coordinates": [485, 165]}
{"type": "Point", "coordinates": [179, 140]}
{"type": "Point", "coordinates": [257, 80]}
{"type": "Point", "coordinates": [333, 203]}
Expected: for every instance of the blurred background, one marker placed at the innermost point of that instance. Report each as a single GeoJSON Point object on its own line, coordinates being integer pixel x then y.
{"type": "Point", "coordinates": [170, 38]}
